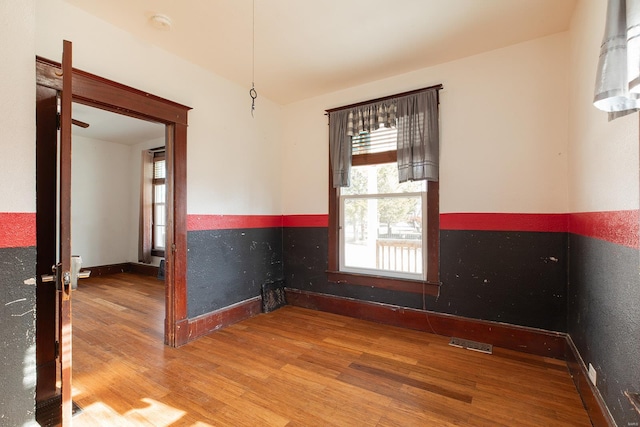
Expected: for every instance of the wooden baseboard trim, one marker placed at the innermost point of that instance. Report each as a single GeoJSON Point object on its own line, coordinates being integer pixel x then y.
{"type": "Point", "coordinates": [144, 269]}
{"type": "Point", "coordinates": [519, 338]}
{"type": "Point", "coordinates": [181, 332]}
{"type": "Point", "coordinates": [125, 267]}
{"type": "Point", "coordinates": [591, 398]}
{"type": "Point", "coordinates": [103, 270]}
{"type": "Point", "coordinates": [210, 322]}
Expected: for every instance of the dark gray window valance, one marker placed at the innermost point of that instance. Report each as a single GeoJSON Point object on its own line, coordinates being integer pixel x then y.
{"type": "Point", "coordinates": [414, 115]}
{"type": "Point", "coordinates": [418, 137]}
{"type": "Point", "coordinates": [339, 148]}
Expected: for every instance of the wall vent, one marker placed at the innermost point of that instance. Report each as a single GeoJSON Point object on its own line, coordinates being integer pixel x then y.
{"type": "Point", "coordinates": [273, 296]}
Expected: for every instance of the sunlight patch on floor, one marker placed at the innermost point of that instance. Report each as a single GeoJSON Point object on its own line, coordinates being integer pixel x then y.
{"type": "Point", "coordinates": [154, 413]}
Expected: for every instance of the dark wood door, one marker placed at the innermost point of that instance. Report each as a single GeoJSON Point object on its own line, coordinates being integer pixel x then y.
{"type": "Point", "coordinates": [53, 219]}
{"type": "Point", "coordinates": [46, 179]}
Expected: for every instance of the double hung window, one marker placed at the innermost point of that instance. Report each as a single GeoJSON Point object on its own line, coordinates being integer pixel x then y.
{"type": "Point", "coordinates": [153, 189]}
{"type": "Point", "coordinates": [381, 222]}
{"type": "Point", "coordinates": [382, 232]}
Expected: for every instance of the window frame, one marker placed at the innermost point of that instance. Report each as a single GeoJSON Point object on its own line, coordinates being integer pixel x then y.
{"type": "Point", "coordinates": [431, 285]}
{"type": "Point", "coordinates": [157, 156]}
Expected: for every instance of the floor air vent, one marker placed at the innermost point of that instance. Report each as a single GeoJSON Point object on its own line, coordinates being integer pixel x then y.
{"type": "Point", "coordinates": [273, 296]}
{"type": "Point", "coordinates": [471, 345]}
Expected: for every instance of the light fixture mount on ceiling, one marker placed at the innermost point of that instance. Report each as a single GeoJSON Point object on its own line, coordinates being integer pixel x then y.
{"type": "Point", "coordinates": [161, 22]}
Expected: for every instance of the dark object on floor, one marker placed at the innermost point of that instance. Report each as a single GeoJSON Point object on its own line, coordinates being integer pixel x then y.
{"type": "Point", "coordinates": [471, 345]}
{"type": "Point", "coordinates": [161, 270]}
{"type": "Point", "coordinates": [48, 412]}
{"type": "Point", "coordinates": [273, 296]}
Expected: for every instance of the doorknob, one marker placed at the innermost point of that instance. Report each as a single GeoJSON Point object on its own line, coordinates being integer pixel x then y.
{"type": "Point", "coordinates": [51, 277]}
{"type": "Point", "coordinates": [61, 280]}
{"type": "Point", "coordinates": [72, 277]}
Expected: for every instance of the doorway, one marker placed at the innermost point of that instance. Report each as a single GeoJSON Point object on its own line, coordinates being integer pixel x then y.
{"type": "Point", "coordinates": [98, 92]}
{"type": "Point", "coordinates": [111, 196]}
{"type": "Point", "coordinates": [95, 91]}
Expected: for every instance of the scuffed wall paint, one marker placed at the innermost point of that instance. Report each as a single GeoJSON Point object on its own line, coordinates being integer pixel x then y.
{"type": "Point", "coordinates": [512, 277]}
{"type": "Point", "coordinates": [229, 266]}
{"type": "Point", "coordinates": [604, 318]}
{"type": "Point", "coordinates": [17, 346]}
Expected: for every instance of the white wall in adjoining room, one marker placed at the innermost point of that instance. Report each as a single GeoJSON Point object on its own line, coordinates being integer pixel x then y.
{"type": "Point", "coordinates": [503, 119]}
{"type": "Point", "coordinates": [100, 194]}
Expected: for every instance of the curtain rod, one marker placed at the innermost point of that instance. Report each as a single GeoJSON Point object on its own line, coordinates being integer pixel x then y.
{"type": "Point", "coordinates": [384, 98]}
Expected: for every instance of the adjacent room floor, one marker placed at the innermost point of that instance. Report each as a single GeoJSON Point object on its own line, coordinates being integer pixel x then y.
{"type": "Point", "coordinates": [295, 367]}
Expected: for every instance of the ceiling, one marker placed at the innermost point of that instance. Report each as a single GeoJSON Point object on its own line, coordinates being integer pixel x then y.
{"type": "Point", "coordinates": [113, 127]}
{"type": "Point", "coordinates": [305, 48]}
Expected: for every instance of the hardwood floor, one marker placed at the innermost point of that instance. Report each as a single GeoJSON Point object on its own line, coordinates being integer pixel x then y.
{"type": "Point", "coordinates": [295, 367]}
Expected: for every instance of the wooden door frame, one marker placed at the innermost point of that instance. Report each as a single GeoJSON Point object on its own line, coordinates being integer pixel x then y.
{"type": "Point", "coordinates": [105, 94]}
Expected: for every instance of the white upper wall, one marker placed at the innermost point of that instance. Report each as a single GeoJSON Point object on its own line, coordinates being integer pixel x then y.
{"type": "Point", "coordinates": [603, 167]}
{"type": "Point", "coordinates": [503, 117]}
{"type": "Point", "coordinates": [233, 159]}
{"type": "Point", "coordinates": [17, 109]}
{"type": "Point", "coordinates": [503, 120]}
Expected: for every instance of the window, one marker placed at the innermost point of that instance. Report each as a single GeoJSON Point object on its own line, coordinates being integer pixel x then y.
{"type": "Point", "coordinates": [381, 226]}
{"type": "Point", "coordinates": [159, 196]}
{"type": "Point", "coordinates": [153, 223]}
{"type": "Point", "coordinates": [383, 233]}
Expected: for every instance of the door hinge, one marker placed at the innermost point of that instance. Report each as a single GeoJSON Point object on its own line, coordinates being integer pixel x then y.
{"type": "Point", "coordinates": [58, 120]}
{"type": "Point", "coordinates": [57, 349]}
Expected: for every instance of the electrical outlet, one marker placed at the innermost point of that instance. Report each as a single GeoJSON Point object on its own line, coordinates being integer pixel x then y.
{"type": "Point", "coordinates": [592, 374]}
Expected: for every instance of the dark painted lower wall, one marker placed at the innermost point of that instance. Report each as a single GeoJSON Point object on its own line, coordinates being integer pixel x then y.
{"type": "Point", "coordinates": [506, 276]}
{"type": "Point", "coordinates": [17, 336]}
{"type": "Point", "coordinates": [604, 318]}
{"type": "Point", "coordinates": [227, 266]}
{"type": "Point", "coordinates": [518, 278]}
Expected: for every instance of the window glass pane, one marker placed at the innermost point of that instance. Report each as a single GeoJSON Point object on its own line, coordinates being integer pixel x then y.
{"type": "Point", "coordinates": [159, 193]}
{"type": "Point", "coordinates": [379, 179]}
{"type": "Point", "coordinates": [159, 236]}
{"type": "Point", "coordinates": [383, 233]}
{"type": "Point", "coordinates": [159, 216]}
{"type": "Point", "coordinates": [382, 223]}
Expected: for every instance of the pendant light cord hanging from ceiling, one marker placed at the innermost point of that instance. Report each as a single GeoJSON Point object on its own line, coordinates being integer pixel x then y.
{"type": "Point", "coordinates": [252, 92]}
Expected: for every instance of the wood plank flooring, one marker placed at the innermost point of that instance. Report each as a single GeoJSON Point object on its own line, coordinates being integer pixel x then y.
{"type": "Point", "coordinates": [295, 367]}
